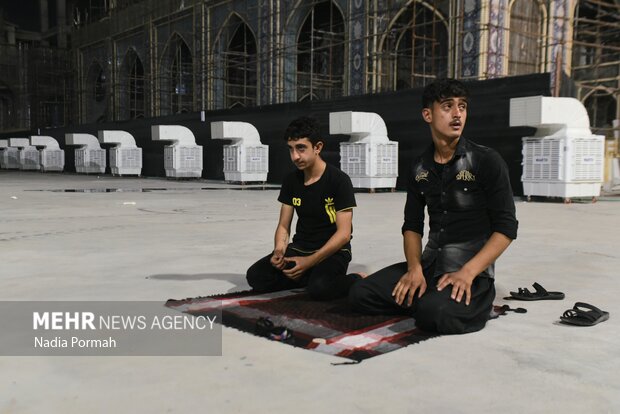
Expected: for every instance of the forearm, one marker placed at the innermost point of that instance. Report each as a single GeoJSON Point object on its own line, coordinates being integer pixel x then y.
{"type": "Point", "coordinates": [336, 242]}
{"type": "Point", "coordinates": [412, 244]}
{"type": "Point", "coordinates": [489, 253]}
{"type": "Point", "coordinates": [281, 238]}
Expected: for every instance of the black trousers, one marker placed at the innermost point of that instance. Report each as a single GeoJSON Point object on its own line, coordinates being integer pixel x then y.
{"type": "Point", "coordinates": [435, 311]}
{"type": "Point", "coordinates": [325, 281]}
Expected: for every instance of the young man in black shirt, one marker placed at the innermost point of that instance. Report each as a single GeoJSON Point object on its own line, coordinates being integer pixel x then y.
{"type": "Point", "coordinates": [322, 196]}
{"type": "Point", "coordinates": [449, 287]}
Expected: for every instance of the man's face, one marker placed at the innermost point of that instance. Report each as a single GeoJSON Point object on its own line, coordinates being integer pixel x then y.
{"type": "Point", "coordinates": [447, 117]}
{"type": "Point", "coordinates": [303, 154]}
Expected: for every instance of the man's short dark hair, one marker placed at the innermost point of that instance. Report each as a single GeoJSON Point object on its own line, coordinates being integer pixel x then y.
{"type": "Point", "coordinates": [442, 89]}
{"type": "Point", "coordinates": [304, 127]}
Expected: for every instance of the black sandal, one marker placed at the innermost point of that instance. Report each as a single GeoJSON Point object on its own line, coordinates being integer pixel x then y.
{"type": "Point", "coordinates": [540, 293]}
{"type": "Point", "coordinates": [584, 314]}
{"type": "Point", "coordinates": [265, 327]}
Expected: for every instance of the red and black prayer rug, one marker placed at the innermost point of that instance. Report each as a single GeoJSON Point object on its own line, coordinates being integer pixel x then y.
{"type": "Point", "coordinates": [330, 327]}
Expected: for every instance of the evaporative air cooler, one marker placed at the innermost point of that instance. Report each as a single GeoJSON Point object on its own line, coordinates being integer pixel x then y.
{"type": "Point", "coordinates": [369, 158]}
{"type": "Point", "coordinates": [563, 159]}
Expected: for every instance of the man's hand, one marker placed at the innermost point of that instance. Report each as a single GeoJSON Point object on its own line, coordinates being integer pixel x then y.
{"type": "Point", "coordinates": [301, 264]}
{"type": "Point", "coordinates": [461, 282]}
{"type": "Point", "coordinates": [407, 285]}
{"type": "Point", "coordinates": [277, 259]}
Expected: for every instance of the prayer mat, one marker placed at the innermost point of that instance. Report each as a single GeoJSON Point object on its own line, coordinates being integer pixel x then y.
{"type": "Point", "coordinates": [330, 327]}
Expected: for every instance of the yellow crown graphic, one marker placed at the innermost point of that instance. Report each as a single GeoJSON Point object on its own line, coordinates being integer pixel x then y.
{"type": "Point", "coordinates": [329, 200]}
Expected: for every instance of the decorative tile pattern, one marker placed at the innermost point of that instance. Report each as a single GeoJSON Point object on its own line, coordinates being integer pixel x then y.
{"type": "Point", "coordinates": [497, 32]}
{"type": "Point", "coordinates": [559, 32]}
{"type": "Point", "coordinates": [357, 53]}
{"type": "Point", "coordinates": [471, 38]}
{"type": "Point", "coordinates": [266, 63]}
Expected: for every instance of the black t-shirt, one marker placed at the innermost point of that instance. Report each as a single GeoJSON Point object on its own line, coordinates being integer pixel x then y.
{"type": "Point", "coordinates": [316, 205]}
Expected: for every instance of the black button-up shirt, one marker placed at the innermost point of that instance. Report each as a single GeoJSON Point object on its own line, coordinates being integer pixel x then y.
{"type": "Point", "coordinates": [467, 202]}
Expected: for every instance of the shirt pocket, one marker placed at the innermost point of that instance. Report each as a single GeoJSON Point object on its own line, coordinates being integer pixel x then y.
{"type": "Point", "coordinates": [466, 195]}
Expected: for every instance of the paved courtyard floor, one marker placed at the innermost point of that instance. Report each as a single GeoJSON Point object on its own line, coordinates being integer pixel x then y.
{"type": "Point", "coordinates": [138, 239]}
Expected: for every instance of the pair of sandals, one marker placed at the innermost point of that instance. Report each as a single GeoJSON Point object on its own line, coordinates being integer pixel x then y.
{"type": "Point", "coordinates": [582, 314]}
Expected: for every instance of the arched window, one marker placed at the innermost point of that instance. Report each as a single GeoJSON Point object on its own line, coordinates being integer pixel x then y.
{"type": "Point", "coordinates": [526, 37]}
{"type": "Point", "coordinates": [602, 108]}
{"type": "Point", "coordinates": [321, 53]}
{"type": "Point", "coordinates": [415, 50]}
{"type": "Point", "coordinates": [95, 94]}
{"type": "Point", "coordinates": [132, 99]}
{"type": "Point", "coordinates": [595, 68]}
{"type": "Point", "coordinates": [177, 78]}
{"type": "Point", "coordinates": [6, 107]}
{"type": "Point", "coordinates": [100, 84]}
{"type": "Point", "coordinates": [241, 68]}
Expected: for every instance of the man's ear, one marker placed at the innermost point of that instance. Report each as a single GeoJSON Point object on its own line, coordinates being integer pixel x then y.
{"type": "Point", "coordinates": [426, 114]}
{"type": "Point", "coordinates": [318, 147]}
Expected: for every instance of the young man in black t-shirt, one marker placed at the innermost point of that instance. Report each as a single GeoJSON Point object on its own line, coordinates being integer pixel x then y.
{"type": "Point", "coordinates": [448, 288]}
{"type": "Point", "coordinates": [322, 196]}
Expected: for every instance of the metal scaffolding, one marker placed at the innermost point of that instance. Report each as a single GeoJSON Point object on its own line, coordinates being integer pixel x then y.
{"type": "Point", "coordinates": [217, 59]}
{"type": "Point", "coordinates": [596, 61]}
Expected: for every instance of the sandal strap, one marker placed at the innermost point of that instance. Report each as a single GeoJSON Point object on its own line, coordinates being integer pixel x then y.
{"type": "Point", "coordinates": [588, 306]}
{"type": "Point", "coordinates": [580, 314]}
{"type": "Point", "coordinates": [540, 290]}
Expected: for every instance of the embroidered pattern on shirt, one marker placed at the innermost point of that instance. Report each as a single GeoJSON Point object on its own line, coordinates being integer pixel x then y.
{"type": "Point", "coordinates": [330, 209]}
{"type": "Point", "coordinates": [421, 176]}
{"type": "Point", "coordinates": [465, 175]}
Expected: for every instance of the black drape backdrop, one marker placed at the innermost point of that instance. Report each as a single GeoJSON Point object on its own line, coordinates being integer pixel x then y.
{"type": "Point", "coordinates": [487, 124]}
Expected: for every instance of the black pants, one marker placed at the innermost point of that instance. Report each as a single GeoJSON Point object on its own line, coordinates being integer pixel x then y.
{"type": "Point", "coordinates": [325, 281]}
{"type": "Point", "coordinates": [435, 310]}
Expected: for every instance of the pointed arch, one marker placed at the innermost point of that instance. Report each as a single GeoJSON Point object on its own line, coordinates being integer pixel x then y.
{"type": "Point", "coordinates": [96, 92]}
{"type": "Point", "coordinates": [96, 81]}
{"type": "Point", "coordinates": [308, 97]}
{"type": "Point", "coordinates": [414, 48]}
{"type": "Point", "coordinates": [321, 52]}
{"type": "Point", "coordinates": [132, 96]}
{"type": "Point", "coordinates": [241, 65]}
{"type": "Point", "coordinates": [176, 77]}
{"type": "Point", "coordinates": [526, 37]}
{"type": "Point", "coordinates": [7, 107]}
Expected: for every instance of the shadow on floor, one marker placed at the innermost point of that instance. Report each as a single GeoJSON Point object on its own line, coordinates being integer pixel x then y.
{"type": "Point", "coordinates": [238, 280]}
{"type": "Point", "coordinates": [234, 278]}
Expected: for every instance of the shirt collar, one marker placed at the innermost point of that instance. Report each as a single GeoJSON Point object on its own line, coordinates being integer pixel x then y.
{"type": "Point", "coordinates": [429, 153]}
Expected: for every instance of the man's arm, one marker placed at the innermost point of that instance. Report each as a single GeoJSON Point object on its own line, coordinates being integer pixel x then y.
{"type": "Point", "coordinates": [412, 229]}
{"type": "Point", "coordinates": [414, 278]}
{"type": "Point", "coordinates": [341, 237]}
{"type": "Point", "coordinates": [501, 210]}
{"type": "Point", "coordinates": [281, 236]}
{"type": "Point", "coordinates": [462, 280]}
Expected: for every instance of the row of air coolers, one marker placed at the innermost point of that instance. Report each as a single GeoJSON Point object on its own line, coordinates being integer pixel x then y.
{"type": "Point", "coordinates": [24, 154]}
{"type": "Point", "coordinates": [369, 158]}
{"type": "Point", "coordinates": [125, 156]}
{"type": "Point", "coordinates": [563, 159]}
